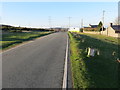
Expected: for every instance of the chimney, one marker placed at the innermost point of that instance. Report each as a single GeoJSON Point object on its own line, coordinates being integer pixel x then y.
{"type": "Point", "coordinates": [111, 24]}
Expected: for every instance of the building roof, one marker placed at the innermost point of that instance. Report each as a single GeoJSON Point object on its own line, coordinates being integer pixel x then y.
{"type": "Point", "coordinates": [116, 27]}
{"type": "Point", "coordinates": [93, 26]}
{"type": "Point", "coordinates": [86, 27]}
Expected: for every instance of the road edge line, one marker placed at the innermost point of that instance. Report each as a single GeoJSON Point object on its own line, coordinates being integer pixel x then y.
{"type": "Point", "coordinates": [64, 86]}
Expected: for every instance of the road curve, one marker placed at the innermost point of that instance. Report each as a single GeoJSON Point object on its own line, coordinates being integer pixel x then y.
{"type": "Point", "coordinates": [38, 64]}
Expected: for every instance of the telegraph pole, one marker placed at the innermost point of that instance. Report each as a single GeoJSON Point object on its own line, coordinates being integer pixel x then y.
{"type": "Point", "coordinates": [49, 19]}
{"type": "Point", "coordinates": [103, 21]}
{"type": "Point", "coordinates": [69, 20]}
{"type": "Point", "coordinates": [81, 23]}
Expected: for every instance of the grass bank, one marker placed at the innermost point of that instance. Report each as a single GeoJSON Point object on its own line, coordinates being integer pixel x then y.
{"type": "Point", "coordinates": [100, 71]}
{"type": "Point", "coordinates": [12, 39]}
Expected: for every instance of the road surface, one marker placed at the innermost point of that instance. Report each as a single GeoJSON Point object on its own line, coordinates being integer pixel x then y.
{"type": "Point", "coordinates": [38, 64]}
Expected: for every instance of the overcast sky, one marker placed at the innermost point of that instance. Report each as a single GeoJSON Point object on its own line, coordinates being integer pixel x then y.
{"type": "Point", "coordinates": [36, 14]}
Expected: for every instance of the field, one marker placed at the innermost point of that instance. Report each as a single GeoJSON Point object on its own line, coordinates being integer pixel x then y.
{"type": "Point", "coordinates": [99, 71]}
{"type": "Point", "coordinates": [11, 39]}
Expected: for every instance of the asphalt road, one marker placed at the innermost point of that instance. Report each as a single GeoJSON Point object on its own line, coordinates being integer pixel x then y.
{"type": "Point", "coordinates": [38, 64]}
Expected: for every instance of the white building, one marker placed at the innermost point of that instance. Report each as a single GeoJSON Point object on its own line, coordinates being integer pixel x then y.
{"type": "Point", "coordinates": [74, 29]}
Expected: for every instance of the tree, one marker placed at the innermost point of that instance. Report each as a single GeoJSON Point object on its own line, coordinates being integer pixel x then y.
{"type": "Point", "coordinates": [100, 26]}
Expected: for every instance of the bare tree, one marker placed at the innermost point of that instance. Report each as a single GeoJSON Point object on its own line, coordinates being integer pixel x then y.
{"type": "Point", "coordinates": [117, 21]}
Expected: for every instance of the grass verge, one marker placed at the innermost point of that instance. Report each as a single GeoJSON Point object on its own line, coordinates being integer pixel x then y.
{"type": "Point", "coordinates": [12, 39]}
{"type": "Point", "coordinates": [100, 71]}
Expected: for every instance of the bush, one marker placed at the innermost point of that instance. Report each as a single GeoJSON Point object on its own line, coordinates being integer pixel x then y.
{"type": "Point", "coordinates": [90, 29]}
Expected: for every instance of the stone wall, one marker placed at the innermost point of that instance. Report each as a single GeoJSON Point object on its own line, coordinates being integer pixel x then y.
{"type": "Point", "coordinates": [91, 32]}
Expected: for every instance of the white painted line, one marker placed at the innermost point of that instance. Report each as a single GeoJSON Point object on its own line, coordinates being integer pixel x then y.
{"type": "Point", "coordinates": [65, 68]}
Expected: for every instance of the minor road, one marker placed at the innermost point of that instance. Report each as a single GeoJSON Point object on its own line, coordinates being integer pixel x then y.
{"type": "Point", "coordinates": [39, 64]}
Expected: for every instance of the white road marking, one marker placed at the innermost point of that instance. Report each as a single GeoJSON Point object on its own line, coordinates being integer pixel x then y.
{"type": "Point", "coordinates": [65, 68]}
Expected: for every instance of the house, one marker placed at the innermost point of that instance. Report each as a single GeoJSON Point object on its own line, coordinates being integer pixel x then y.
{"type": "Point", "coordinates": [112, 30]}
{"type": "Point", "coordinates": [74, 29]}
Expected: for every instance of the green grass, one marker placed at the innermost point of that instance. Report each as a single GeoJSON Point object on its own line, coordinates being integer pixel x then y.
{"type": "Point", "coordinates": [12, 39]}
{"type": "Point", "coordinates": [100, 71]}
{"type": "Point", "coordinates": [103, 38]}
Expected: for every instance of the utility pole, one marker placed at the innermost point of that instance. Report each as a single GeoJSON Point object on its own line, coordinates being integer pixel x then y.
{"type": "Point", "coordinates": [103, 21]}
{"type": "Point", "coordinates": [49, 19]}
{"type": "Point", "coordinates": [81, 23]}
{"type": "Point", "coordinates": [69, 20]}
